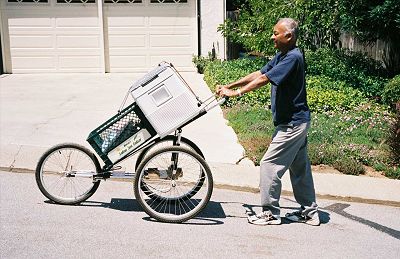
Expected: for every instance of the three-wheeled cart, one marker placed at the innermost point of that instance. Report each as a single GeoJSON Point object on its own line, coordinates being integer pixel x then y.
{"type": "Point", "coordinates": [172, 181]}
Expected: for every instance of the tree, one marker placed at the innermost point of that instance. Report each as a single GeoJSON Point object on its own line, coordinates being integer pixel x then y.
{"type": "Point", "coordinates": [253, 27]}
{"type": "Point", "coordinates": [319, 23]}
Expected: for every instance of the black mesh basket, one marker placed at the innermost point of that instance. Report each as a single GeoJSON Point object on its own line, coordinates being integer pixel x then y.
{"type": "Point", "coordinates": [118, 129]}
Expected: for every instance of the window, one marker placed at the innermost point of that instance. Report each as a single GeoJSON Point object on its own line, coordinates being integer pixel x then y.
{"type": "Point", "coordinates": [122, 1]}
{"type": "Point", "coordinates": [167, 1]}
{"type": "Point", "coordinates": [28, 1]}
{"type": "Point", "coordinates": [76, 1]}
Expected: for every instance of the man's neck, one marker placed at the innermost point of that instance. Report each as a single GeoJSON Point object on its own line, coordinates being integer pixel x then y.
{"type": "Point", "coordinates": [287, 49]}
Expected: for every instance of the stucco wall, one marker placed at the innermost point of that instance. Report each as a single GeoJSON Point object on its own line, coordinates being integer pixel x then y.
{"type": "Point", "coordinates": [212, 15]}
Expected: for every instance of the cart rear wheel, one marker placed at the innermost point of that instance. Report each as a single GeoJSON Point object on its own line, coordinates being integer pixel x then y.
{"type": "Point", "coordinates": [167, 141]}
{"type": "Point", "coordinates": [57, 178]}
{"type": "Point", "coordinates": [173, 184]}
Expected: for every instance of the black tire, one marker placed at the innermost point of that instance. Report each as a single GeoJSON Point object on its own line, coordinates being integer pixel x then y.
{"type": "Point", "coordinates": [167, 141]}
{"type": "Point", "coordinates": [173, 196]}
{"type": "Point", "coordinates": [53, 168]}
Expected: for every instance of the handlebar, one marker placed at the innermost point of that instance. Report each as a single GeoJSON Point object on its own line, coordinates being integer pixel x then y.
{"type": "Point", "coordinates": [214, 103]}
{"type": "Point", "coordinates": [222, 100]}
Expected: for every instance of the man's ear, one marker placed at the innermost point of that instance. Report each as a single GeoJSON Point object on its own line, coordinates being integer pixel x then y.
{"type": "Point", "coordinates": [288, 36]}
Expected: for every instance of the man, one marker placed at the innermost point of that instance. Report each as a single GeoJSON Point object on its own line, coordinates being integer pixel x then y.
{"type": "Point", "coordinates": [291, 116]}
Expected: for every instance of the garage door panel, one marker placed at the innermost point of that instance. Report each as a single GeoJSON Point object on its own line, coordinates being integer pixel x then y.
{"type": "Point", "coordinates": [128, 51]}
{"type": "Point", "coordinates": [127, 41]}
{"type": "Point", "coordinates": [78, 42]}
{"type": "Point", "coordinates": [30, 32]}
{"type": "Point", "coordinates": [70, 62]}
{"type": "Point", "coordinates": [181, 62]}
{"type": "Point", "coordinates": [31, 41]}
{"type": "Point", "coordinates": [26, 63]}
{"type": "Point", "coordinates": [127, 31]}
{"type": "Point", "coordinates": [29, 26]}
{"type": "Point", "coordinates": [30, 22]}
{"type": "Point", "coordinates": [167, 52]}
{"type": "Point", "coordinates": [126, 21]}
{"type": "Point", "coordinates": [128, 63]}
{"type": "Point", "coordinates": [73, 22]}
{"type": "Point", "coordinates": [170, 41]}
{"type": "Point", "coordinates": [171, 21]}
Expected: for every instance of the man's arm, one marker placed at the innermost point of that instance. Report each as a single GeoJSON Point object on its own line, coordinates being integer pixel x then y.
{"type": "Point", "coordinates": [259, 80]}
{"type": "Point", "coordinates": [244, 81]}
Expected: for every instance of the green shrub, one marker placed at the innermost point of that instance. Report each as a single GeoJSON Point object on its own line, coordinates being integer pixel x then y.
{"type": "Point", "coordinates": [355, 69]}
{"type": "Point", "coordinates": [344, 158]}
{"type": "Point", "coordinates": [358, 134]}
{"type": "Point", "coordinates": [226, 72]}
{"type": "Point", "coordinates": [389, 171]}
{"type": "Point", "coordinates": [367, 123]}
{"type": "Point", "coordinates": [391, 92]}
{"type": "Point", "coordinates": [325, 94]}
{"type": "Point", "coordinates": [348, 165]}
{"type": "Point", "coordinates": [379, 167]}
{"type": "Point", "coordinates": [393, 173]}
{"type": "Point", "coordinates": [201, 61]}
{"type": "Point", "coordinates": [323, 153]}
{"type": "Point", "coordinates": [394, 139]}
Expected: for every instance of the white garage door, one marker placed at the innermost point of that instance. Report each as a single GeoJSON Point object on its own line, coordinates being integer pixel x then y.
{"type": "Point", "coordinates": [67, 35]}
{"type": "Point", "coordinates": [51, 36]}
{"type": "Point", "coordinates": [143, 33]}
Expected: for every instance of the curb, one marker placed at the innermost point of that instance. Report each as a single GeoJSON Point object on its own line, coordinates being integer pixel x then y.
{"type": "Point", "coordinates": [253, 189]}
{"type": "Point", "coordinates": [327, 185]}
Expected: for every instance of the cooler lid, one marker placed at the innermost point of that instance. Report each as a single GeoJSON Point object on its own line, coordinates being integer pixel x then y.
{"type": "Point", "coordinates": [149, 76]}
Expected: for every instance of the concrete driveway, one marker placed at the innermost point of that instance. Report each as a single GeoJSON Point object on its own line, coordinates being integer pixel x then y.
{"type": "Point", "coordinates": [39, 111]}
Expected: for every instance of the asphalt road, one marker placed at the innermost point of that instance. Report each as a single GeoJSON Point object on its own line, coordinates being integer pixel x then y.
{"type": "Point", "coordinates": [112, 225]}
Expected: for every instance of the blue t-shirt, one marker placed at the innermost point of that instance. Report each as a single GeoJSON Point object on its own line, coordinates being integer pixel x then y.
{"type": "Point", "coordinates": [288, 88]}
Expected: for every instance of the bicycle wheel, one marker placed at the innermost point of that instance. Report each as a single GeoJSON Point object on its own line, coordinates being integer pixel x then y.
{"type": "Point", "coordinates": [65, 172]}
{"type": "Point", "coordinates": [167, 141]}
{"type": "Point", "coordinates": [173, 184]}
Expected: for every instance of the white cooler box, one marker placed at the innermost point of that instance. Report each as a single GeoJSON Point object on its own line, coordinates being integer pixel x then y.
{"type": "Point", "coordinates": [165, 99]}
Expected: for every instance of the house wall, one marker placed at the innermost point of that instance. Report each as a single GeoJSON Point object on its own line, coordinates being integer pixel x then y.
{"type": "Point", "coordinates": [212, 15]}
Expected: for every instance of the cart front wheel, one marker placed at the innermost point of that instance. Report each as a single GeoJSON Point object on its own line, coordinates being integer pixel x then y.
{"type": "Point", "coordinates": [64, 174]}
{"type": "Point", "coordinates": [173, 184]}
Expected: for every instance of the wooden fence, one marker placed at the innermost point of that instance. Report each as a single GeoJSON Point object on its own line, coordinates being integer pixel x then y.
{"type": "Point", "coordinates": [377, 50]}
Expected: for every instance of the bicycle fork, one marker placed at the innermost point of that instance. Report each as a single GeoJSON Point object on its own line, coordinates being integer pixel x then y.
{"type": "Point", "coordinates": [173, 168]}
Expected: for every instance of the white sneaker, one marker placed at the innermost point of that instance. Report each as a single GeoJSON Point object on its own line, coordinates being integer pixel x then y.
{"type": "Point", "coordinates": [297, 216]}
{"type": "Point", "coordinates": [264, 218]}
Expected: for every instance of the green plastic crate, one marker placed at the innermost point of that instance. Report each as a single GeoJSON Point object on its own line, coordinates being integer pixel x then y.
{"type": "Point", "coordinates": [118, 129]}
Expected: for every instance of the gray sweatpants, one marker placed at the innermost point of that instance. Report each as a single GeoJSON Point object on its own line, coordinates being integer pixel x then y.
{"type": "Point", "coordinates": [288, 150]}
